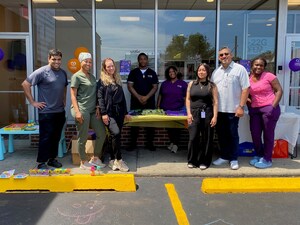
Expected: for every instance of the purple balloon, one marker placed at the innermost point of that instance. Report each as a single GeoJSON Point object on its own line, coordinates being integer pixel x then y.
{"type": "Point", "coordinates": [1, 54]}
{"type": "Point", "coordinates": [295, 64]}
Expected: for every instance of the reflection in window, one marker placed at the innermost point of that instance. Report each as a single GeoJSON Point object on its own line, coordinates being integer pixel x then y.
{"type": "Point", "coordinates": [186, 37]}
{"type": "Point", "coordinates": [124, 33]}
{"type": "Point", "coordinates": [14, 16]}
{"type": "Point", "coordinates": [251, 32]}
{"type": "Point", "coordinates": [66, 26]}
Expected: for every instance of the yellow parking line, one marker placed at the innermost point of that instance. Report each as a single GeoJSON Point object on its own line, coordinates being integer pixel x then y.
{"type": "Point", "coordinates": [176, 204]}
{"type": "Point", "coordinates": [250, 185]}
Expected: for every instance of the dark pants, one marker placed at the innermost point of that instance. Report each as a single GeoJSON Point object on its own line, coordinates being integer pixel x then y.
{"type": "Point", "coordinates": [134, 133]}
{"type": "Point", "coordinates": [200, 147]}
{"type": "Point", "coordinates": [50, 128]}
{"type": "Point", "coordinates": [263, 121]}
{"type": "Point", "coordinates": [227, 130]}
{"type": "Point", "coordinates": [115, 128]}
{"type": "Point", "coordinates": [174, 135]}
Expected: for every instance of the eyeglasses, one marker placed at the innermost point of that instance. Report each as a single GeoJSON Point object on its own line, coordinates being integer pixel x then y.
{"type": "Point", "coordinates": [226, 54]}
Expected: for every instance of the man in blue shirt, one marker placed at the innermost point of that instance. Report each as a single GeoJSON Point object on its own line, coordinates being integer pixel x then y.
{"type": "Point", "coordinates": [51, 82]}
{"type": "Point", "coordinates": [142, 83]}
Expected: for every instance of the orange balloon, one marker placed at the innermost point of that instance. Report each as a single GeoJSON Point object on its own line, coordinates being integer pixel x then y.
{"type": "Point", "coordinates": [79, 50]}
{"type": "Point", "coordinates": [73, 65]}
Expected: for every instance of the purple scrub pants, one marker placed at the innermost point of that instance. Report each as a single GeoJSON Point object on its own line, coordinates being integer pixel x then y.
{"type": "Point", "coordinates": [263, 121]}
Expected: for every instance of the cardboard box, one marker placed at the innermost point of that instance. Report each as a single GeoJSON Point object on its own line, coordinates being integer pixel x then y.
{"type": "Point", "coordinates": [89, 149]}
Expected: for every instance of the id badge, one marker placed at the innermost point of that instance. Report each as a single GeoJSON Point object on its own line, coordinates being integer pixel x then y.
{"type": "Point", "coordinates": [202, 114]}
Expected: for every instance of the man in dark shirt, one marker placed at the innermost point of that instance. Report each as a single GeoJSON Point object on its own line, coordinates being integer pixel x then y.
{"type": "Point", "coordinates": [142, 83]}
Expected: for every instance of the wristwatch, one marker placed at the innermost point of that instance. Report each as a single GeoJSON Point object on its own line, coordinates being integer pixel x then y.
{"type": "Point", "coordinates": [242, 107]}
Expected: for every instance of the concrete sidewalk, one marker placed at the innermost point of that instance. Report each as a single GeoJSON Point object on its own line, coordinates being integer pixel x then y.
{"type": "Point", "coordinates": [161, 162]}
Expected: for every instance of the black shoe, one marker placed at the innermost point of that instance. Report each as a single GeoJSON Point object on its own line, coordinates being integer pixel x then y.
{"type": "Point", "coordinates": [54, 163]}
{"type": "Point", "coordinates": [42, 166]}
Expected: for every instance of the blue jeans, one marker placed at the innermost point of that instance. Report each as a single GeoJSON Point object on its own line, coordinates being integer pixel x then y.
{"type": "Point", "coordinates": [227, 130]}
{"type": "Point", "coordinates": [50, 128]}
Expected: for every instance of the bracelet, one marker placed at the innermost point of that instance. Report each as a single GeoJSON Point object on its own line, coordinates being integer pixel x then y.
{"type": "Point", "coordinates": [242, 107]}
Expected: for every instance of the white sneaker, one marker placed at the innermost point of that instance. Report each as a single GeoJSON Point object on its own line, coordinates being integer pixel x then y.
{"type": "Point", "coordinates": [234, 165]}
{"type": "Point", "coordinates": [111, 163]}
{"type": "Point", "coordinates": [120, 165]}
{"type": "Point", "coordinates": [85, 166]}
{"type": "Point", "coordinates": [170, 146]}
{"type": "Point", "coordinates": [174, 149]}
{"type": "Point", "coordinates": [202, 167]}
{"type": "Point", "coordinates": [220, 162]}
{"type": "Point", "coordinates": [97, 162]}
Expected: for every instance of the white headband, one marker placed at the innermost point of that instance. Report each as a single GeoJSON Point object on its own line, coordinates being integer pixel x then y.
{"type": "Point", "coordinates": [84, 55]}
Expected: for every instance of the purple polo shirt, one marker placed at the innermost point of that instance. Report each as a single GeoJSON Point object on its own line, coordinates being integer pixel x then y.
{"type": "Point", "coordinates": [172, 94]}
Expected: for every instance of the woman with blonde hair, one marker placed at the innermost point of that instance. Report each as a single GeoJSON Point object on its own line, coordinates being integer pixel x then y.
{"type": "Point", "coordinates": [113, 110]}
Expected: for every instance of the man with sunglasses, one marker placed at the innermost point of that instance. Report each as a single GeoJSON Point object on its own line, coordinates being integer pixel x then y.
{"type": "Point", "coordinates": [233, 84]}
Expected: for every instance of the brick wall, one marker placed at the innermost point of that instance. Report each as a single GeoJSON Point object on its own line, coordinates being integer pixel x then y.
{"type": "Point", "coordinates": [160, 139]}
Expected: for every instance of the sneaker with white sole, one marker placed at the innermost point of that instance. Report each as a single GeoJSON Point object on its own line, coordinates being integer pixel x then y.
{"type": "Point", "coordinates": [170, 146]}
{"type": "Point", "coordinates": [234, 165]}
{"type": "Point", "coordinates": [254, 160]}
{"type": "Point", "coordinates": [97, 162]}
{"type": "Point", "coordinates": [86, 165]}
{"type": "Point", "coordinates": [174, 149]}
{"type": "Point", "coordinates": [120, 165]}
{"type": "Point", "coordinates": [220, 162]}
{"type": "Point", "coordinates": [111, 163]}
{"type": "Point", "coordinates": [203, 167]}
{"type": "Point", "coordinates": [263, 164]}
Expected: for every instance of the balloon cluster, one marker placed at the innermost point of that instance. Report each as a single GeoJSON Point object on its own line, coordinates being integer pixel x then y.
{"type": "Point", "coordinates": [294, 64]}
{"type": "Point", "coordinates": [74, 64]}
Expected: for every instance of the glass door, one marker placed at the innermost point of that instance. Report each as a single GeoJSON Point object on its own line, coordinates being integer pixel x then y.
{"type": "Point", "coordinates": [292, 74]}
{"type": "Point", "coordinates": [14, 61]}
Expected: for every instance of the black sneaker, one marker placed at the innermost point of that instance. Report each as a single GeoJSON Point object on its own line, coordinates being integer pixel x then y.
{"type": "Point", "coordinates": [54, 163]}
{"type": "Point", "coordinates": [42, 166]}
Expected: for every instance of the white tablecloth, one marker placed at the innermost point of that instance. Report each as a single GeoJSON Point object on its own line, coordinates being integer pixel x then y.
{"type": "Point", "coordinates": [287, 128]}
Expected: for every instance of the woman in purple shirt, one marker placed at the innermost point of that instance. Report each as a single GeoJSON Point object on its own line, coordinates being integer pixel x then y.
{"type": "Point", "coordinates": [172, 97]}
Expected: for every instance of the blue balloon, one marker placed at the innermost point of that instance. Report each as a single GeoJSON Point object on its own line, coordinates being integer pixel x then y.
{"type": "Point", "coordinates": [294, 64]}
{"type": "Point", "coordinates": [1, 54]}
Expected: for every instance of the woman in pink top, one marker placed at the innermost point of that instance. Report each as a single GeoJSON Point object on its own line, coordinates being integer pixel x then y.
{"type": "Point", "coordinates": [264, 111]}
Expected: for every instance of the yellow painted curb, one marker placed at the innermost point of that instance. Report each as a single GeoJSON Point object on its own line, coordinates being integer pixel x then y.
{"type": "Point", "coordinates": [117, 182]}
{"type": "Point", "coordinates": [250, 185]}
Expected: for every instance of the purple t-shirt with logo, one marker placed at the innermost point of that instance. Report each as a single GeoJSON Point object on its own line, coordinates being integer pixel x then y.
{"type": "Point", "coordinates": [172, 95]}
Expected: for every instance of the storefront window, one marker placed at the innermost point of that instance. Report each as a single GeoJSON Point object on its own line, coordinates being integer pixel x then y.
{"type": "Point", "coordinates": [123, 30]}
{"type": "Point", "coordinates": [14, 16]}
{"type": "Point", "coordinates": [249, 30]}
{"type": "Point", "coordinates": [293, 21]}
{"type": "Point", "coordinates": [66, 25]}
{"type": "Point", "coordinates": [186, 35]}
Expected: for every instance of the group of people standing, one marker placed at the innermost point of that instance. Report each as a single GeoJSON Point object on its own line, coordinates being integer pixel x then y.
{"type": "Point", "coordinates": [216, 100]}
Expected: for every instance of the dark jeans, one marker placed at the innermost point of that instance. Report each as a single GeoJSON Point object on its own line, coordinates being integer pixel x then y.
{"type": "Point", "coordinates": [50, 128]}
{"type": "Point", "coordinates": [115, 128]}
{"type": "Point", "coordinates": [134, 133]}
{"type": "Point", "coordinates": [263, 121]}
{"type": "Point", "coordinates": [227, 131]}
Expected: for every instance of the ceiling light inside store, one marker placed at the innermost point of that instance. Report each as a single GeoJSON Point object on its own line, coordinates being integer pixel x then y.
{"type": "Point", "coordinates": [210, 0]}
{"type": "Point", "coordinates": [98, 0]}
{"type": "Point", "coordinates": [229, 24]}
{"type": "Point", "coordinates": [194, 19]}
{"type": "Point", "coordinates": [64, 18]}
{"type": "Point", "coordinates": [271, 19]}
{"type": "Point", "coordinates": [130, 18]}
{"type": "Point", "coordinates": [44, 1]}
{"type": "Point", "coordinates": [268, 24]}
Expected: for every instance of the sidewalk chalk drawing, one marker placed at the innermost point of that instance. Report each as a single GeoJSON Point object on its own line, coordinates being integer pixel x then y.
{"type": "Point", "coordinates": [82, 213]}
